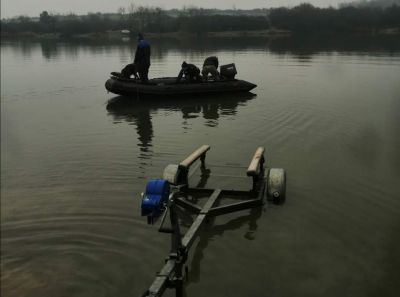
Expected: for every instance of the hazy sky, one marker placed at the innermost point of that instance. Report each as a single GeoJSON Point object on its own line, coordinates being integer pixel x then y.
{"type": "Point", "coordinates": [11, 8]}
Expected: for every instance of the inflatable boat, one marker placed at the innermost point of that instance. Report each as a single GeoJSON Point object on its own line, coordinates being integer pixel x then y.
{"type": "Point", "coordinates": [168, 86]}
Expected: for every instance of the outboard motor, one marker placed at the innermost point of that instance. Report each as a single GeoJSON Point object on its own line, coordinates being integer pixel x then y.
{"type": "Point", "coordinates": [155, 199]}
{"type": "Point", "coordinates": [228, 71]}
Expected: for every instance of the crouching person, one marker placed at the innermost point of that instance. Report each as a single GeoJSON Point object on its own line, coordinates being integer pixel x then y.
{"type": "Point", "coordinates": [210, 66]}
{"type": "Point", "coordinates": [191, 73]}
{"type": "Point", "coordinates": [130, 70]}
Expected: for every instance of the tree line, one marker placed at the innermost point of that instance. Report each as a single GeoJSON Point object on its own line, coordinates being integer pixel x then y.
{"type": "Point", "coordinates": [143, 19]}
{"type": "Point", "coordinates": [302, 18]}
{"type": "Point", "coordinates": [371, 3]}
{"type": "Point", "coordinates": [307, 18]}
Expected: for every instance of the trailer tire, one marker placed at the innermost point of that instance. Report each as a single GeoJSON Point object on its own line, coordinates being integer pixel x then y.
{"type": "Point", "coordinates": [276, 185]}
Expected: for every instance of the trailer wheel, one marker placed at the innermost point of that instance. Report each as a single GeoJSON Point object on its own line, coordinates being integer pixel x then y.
{"type": "Point", "coordinates": [171, 173]}
{"type": "Point", "coordinates": [276, 185]}
{"type": "Point", "coordinates": [175, 174]}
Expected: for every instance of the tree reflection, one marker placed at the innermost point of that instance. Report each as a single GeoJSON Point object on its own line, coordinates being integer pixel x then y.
{"type": "Point", "coordinates": [302, 46]}
{"type": "Point", "coordinates": [49, 49]}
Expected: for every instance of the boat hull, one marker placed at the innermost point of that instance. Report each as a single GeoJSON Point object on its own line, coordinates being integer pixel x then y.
{"type": "Point", "coordinates": [167, 86]}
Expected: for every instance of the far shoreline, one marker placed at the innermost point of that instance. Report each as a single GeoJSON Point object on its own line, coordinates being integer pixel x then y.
{"type": "Point", "coordinates": [175, 35]}
{"type": "Point", "coordinates": [269, 34]}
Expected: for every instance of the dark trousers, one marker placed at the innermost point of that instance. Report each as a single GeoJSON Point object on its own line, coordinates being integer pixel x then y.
{"type": "Point", "coordinates": [143, 70]}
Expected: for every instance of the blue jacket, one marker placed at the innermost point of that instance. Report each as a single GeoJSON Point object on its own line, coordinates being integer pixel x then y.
{"type": "Point", "coordinates": [142, 55]}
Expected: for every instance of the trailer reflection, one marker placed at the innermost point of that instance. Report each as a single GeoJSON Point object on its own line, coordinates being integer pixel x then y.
{"type": "Point", "coordinates": [213, 230]}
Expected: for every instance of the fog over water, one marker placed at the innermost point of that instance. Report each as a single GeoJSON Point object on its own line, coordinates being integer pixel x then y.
{"type": "Point", "coordinates": [10, 8]}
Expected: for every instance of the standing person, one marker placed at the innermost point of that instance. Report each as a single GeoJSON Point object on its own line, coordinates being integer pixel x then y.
{"type": "Point", "coordinates": [142, 58]}
{"type": "Point", "coordinates": [210, 65]}
{"type": "Point", "coordinates": [191, 73]}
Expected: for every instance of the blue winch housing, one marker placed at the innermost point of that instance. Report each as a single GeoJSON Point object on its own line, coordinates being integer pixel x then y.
{"type": "Point", "coordinates": [155, 197]}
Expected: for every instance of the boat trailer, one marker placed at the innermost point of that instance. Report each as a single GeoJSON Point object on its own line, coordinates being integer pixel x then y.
{"type": "Point", "coordinates": [166, 197]}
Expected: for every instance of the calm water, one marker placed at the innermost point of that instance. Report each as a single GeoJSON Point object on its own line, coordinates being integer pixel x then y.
{"type": "Point", "coordinates": [74, 160]}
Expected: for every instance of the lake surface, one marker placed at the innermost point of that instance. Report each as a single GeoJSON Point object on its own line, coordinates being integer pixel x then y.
{"type": "Point", "coordinates": [74, 160]}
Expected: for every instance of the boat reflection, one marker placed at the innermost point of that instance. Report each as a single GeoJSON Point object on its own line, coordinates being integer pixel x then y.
{"type": "Point", "coordinates": [139, 112]}
{"type": "Point", "coordinates": [211, 106]}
